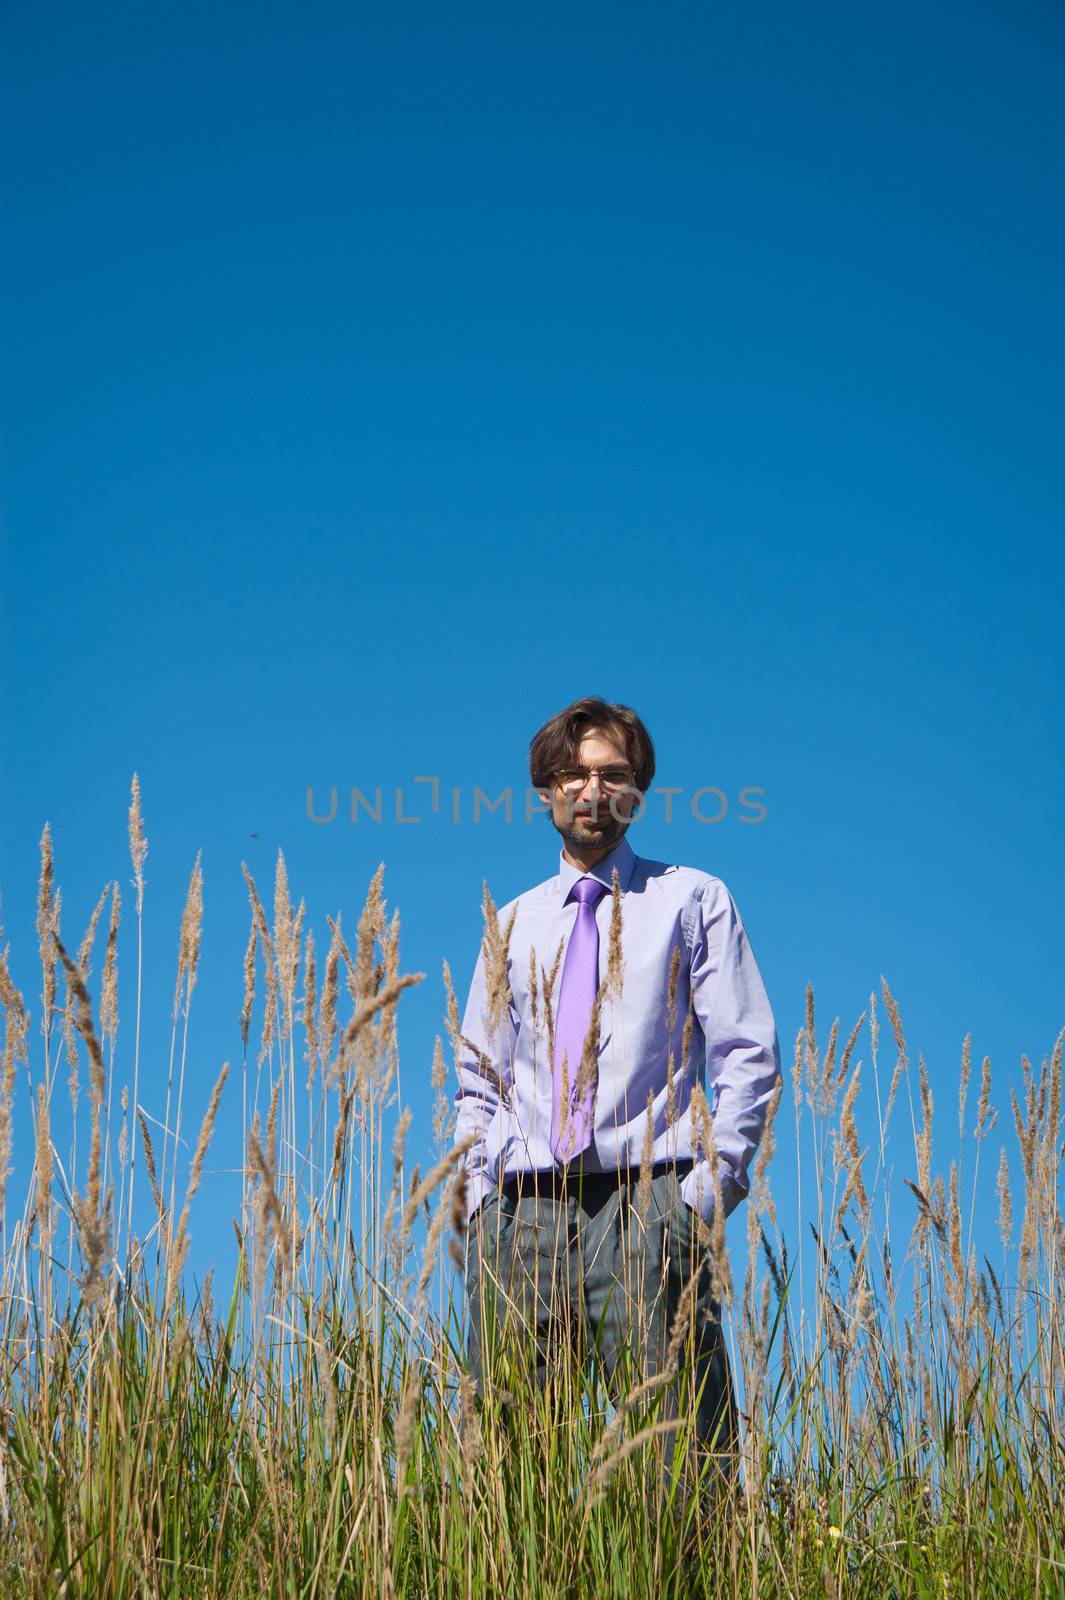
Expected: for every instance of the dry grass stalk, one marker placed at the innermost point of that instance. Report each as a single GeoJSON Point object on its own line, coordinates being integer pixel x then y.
{"type": "Point", "coordinates": [283, 945]}
{"type": "Point", "coordinates": [496, 951]}
{"type": "Point", "coordinates": [441, 1104]}
{"type": "Point", "coordinates": [923, 1146]}
{"type": "Point", "coordinates": [1050, 1143]}
{"type": "Point", "coordinates": [69, 1041]}
{"type": "Point", "coordinates": [340, 1134]}
{"type": "Point", "coordinates": [551, 978]}
{"type": "Point", "coordinates": [647, 1156]}
{"type": "Point", "coordinates": [956, 1274]}
{"type": "Point", "coordinates": [597, 1480]}
{"type": "Point", "coordinates": [190, 937]}
{"type": "Point", "coordinates": [399, 1140]}
{"type": "Point", "coordinates": [548, 981]}
{"type": "Point", "coordinates": [986, 1115]}
{"type": "Point", "coordinates": [269, 967]}
{"type": "Point", "coordinates": [138, 844]}
{"type": "Point", "coordinates": [271, 1205]}
{"type": "Point", "coordinates": [371, 928]}
{"type": "Point", "coordinates": [588, 1074]}
{"type": "Point", "coordinates": [761, 1198]}
{"type": "Point", "coordinates": [249, 986]}
{"type": "Point", "coordinates": [848, 1049]}
{"type": "Point", "coordinates": [459, 1216]}
{"type": "Point", "coordinates": [206, 1128]}
{"type": "Point", "coordinates": [47, 926]}
{"type": "Point", "coordinates": [825, 1084]}
{"type": "Point", "coordinates": [271, 1123]}
{"type": "Point", "coordinates": [682, 1324]}
{"type": "Point", "coordinates": [686, 1034]}
{"type": "Point", "coordinates": [534, 991]}
{"type": "Point", "coordinates": [406, 1426]}
{"type": "Point", "coordinates": [796, 1075]}
{"type": "Point", "coordinates": [16, 1017]}
{"type": "Point", "coordinates": [615, 961]}
{"type": "Point", "coordinates": [471, 1440]}
{"type": "Point", "coordinates": [123, 1131]}
{"type": "Point", "coordinates": [384, 1044]}
{"type": "Point", "coordinates": [368, 1009]}
{"type": "Point", "coordinates": [670, 988]}
{"type": "Point", "coordinates": [420, 1192]}
{"type": "Point", "coordinates": [705, 1143]}
{"type": "Point", "coordinates": [810, 1055]}
{"type": "Point", "coordinates": [297, 937]}
{"type": "Point", "coordinates": [149, 1161]}
{"type": "Point", "coordinates": [963, 1088]}
{"type": "Point", "coordinates": [444, 1211]}
{"type": "Point", "coordinates": [486, 1066]}
{"type": "Point", "coordinates": [349, 965]}
{"type": "Point", "coordinates": [309, 1001]}
{"type": "Point", "coordinates": [901, 1059]}
{"type": "Point", "coordinates": [242, 1260]}
{"type": "Point", "coordinates": [671, 1024]}
{"type": "Point", "coordinates": [452, 1020]}
{"type": "Point", "coordinates": [44, 1173]}
{"type": "Point", "coordinates": [109, 984]}
{"type": "Point", "coordinates": [854, 1188]}
{"type": "Point", "coordinates": [94, 1210]}
{"type": "Point", "coordinates": [327, 1010]}
{"type": "Point", "coordinates": [16, 1028]}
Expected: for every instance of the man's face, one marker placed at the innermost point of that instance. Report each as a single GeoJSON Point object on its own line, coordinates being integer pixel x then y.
{"type": "Point", "coordinates": [591, 806]}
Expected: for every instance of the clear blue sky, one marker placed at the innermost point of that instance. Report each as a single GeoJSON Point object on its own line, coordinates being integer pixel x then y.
{"type": "Point", "coordinates": [378, 382]}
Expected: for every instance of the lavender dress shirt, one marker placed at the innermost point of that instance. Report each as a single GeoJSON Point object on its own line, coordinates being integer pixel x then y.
{"type": "Point", "coordinates": [734, 1037]}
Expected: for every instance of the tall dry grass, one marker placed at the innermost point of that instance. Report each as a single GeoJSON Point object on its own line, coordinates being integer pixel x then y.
{"type": "Point", "coordinates": [309, 1427]}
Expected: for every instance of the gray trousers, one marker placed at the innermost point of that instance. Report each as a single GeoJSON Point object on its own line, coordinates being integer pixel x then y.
{"type": "Point", "coordinates": [583, 1269]}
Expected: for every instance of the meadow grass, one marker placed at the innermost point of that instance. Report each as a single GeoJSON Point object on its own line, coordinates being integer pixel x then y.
{"type": "Point", "coordinates": [308, 1427]}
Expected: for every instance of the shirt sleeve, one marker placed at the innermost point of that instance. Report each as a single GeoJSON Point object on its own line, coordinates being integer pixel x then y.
{"type": "Point", "coordinates": [481, 1071]}
{"type": "Point", "coordinates": [742, 1050]}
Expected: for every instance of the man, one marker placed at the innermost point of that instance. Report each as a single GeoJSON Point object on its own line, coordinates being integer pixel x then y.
{"type": "Point", "coordinates": [573, 1073]}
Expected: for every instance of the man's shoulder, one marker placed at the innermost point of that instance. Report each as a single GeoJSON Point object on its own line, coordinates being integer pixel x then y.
{"type": "Point", "coordinates": [545, 893]}
{"type": "Point", "coordinates": [688, 882]}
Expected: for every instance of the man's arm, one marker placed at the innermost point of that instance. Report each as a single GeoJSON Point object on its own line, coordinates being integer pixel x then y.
{"type": "Point", "coordinates": [484, 1066]}
{"type": "Point", "coordinates": [742, 1052]}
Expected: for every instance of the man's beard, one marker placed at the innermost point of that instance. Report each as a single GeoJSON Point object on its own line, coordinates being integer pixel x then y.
{"type": "Point", "coordinates": [578, 835]}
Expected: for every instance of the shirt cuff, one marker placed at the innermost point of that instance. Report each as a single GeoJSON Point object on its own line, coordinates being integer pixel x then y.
{"type": "Point", "coordinates": [478, 1187]}
{"type": "Point", "coordinates": [697, 1189]}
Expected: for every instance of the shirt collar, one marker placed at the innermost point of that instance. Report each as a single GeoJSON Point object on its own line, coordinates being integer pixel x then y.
{"type": "Point", "coordinates": [622, 856]}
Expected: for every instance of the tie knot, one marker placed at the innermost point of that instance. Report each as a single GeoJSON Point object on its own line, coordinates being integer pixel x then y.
{"type": "Point", "coordinates": [588, 891]}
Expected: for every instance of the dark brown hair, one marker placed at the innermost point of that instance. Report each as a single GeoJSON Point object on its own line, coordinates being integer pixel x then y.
{"type": "Point", "coordinates": [555, 745]}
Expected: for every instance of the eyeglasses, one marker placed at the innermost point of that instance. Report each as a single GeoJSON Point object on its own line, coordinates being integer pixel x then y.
{"type": "Point", "coordinates": [573, 779]}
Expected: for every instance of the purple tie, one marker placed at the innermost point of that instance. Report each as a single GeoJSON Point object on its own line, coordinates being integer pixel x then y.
{"type": "Point", "coordinates": [580, 980]}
